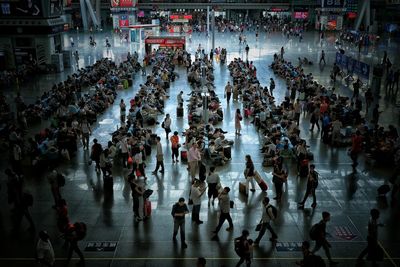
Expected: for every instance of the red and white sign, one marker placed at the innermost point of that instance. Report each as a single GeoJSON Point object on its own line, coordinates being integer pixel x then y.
{"type": "Point", "coordinates": [123, 3]}
{"type": "Point", "coordinates": [170, 42]}
{"type": "Point", "coordinates": [123, 23]}
{"type": "Point", "coordinates": [180, 17]}
{"type": "Point", "coordinates": [300, 15]}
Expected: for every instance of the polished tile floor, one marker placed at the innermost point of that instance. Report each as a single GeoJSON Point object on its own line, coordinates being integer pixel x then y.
{"type": "Point", "coordinates": [347, 196]}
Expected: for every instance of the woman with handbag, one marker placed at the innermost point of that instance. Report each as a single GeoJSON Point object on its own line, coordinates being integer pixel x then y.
{"type": "Point", "coordinates": [166, 124]}
{"type": "Point", "coordinates": [279, 178]}
{"type": "Point", "coordinates": [249, 174]}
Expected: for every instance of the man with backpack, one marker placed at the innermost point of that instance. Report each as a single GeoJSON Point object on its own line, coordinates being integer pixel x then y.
{"type": "Point", "coordinates": [312, 184]}
{"type": "Point", "coordinates": [75, 233]}
{"type": "Point", "coordinates": [318, 233]}
{"type": "Point", "coordinates": [242, 248]}
{"type": "Point", "coordinates": [269, 214]}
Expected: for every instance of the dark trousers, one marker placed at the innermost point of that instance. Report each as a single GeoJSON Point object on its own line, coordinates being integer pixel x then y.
{"type": "Point", "coordinates": [179, 224]}
{"type": "Point", "coordinates": [73, 246]}
{"type": "Point", "coordinates": [309, 190]}
{"type": "Point", "coordinates": [222, 218]}
{"type": "Point", "coordinates": [141, 169]}
{"type": "Point", "coordinates": [158, 165]}
{"type": "Point", "coordinates": [175, 153]}
{"type": "Point", "coordinates": [196, 213]}
{"type": "Point", "coordinates": [371, 247]}
{"type": "Point", "coordinates": [354, 157]}
{"type": "Point", "coordinates": [278, 189]}
{"type": "Point", "coordinates": [124, 158]}
{"type": "Point", "coordinates": [135, 205]}
{"type": "Point", "coordinates": [244, 257]}
{"type": "Point", "coordinates": [228, 96]}
{"type": "Point", "coordinates": [314, 123]}
{"type": "Point", "coordinates": [264, 227]}
{"type": "Point", "coordinates": [324, 244]}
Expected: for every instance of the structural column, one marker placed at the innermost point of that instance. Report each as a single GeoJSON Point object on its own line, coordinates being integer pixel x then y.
{"type": "Point", "coordinates": [84, 15]}
{"type": "Point", "coordinates": [213, 29]}
{"type": "Point", "coordinates": [208, 20]}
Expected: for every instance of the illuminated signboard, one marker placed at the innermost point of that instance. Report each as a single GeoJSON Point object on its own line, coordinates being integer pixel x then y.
{"type": "Point", "coordinates": [181, 17]}
{"type": "Point", "coordinates": [123, 3]}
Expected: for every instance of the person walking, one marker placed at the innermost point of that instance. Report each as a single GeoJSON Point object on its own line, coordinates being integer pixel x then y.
{"type": "Point", "coordinates": [179, 210]}
{"type": "Point", "coordinates": [372, 238]}
{"type": "Point", "coordinates": [74, 234]}
{"type": "Point", "coordinates": [228, 92]}
{"type": "Point", "coordinates": [225, 207]}
{"type": "Point", "coordinates": [356, 147]}
{"type": "Point", "coordinates": [214, 184]}
{"type": "Point", "coordinates": [166, 124]}
{"type": "Point", "coordinates": [249, 173]}
{"type": "Point", "coordinates": [22, 210]}
{"type": "Point", "coordinates": [137, 196]}
{"type": "Point", "coordinates": [271, 86]}
{"type": "Point", "coordinates": [247, 49]}
{"type": "Point", "coordinates": [175, 147]}
{"type": "Point", "coordinates": [95, 154]}
{"type": "Point", "coordinates": [243, 248]}
{"type": "Point", "coordinates": [139, 162]}
{"type": "Point", "coordinates": [159, 156]}
{"type": "Point", "coordinates": [312, 184]}
{"type": "Point", "coordinates": [320, 237]}
{"type": "Point", "coordinates": [282, 52]}
{"type": "Point", "coordinates": [314, 120]}
{"type": "Point", "coordinates": [279, 177]}
{"type": "Point", "coordinates": [267, 217]}
{"type": "Point", "coordinates": [194, 157]}
{"type": "Point", "coordinates": [122, 110]}
{"type": "Point", "coordinates": [322, 57]}
{"type": "Point", "coordinates": [124, 146]}
{"type": "Point", "coordinates": [196, 192]}
{"type": "Point", "coordinates": [238, 119]}
{"type": "Point", "coordinates": [85, 131]}
{"type": "Point", "coordinates": [52, 177]}
{"type": "Point", "coordinates": [44, 250]}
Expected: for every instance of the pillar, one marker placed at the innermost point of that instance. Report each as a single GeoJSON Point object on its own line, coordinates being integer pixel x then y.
{"type": "Point", "coordinates": [208, 20]}
{"type": "Point", "coordinates": [213, 28]}
{"type": "Point", "coordinates": [84, 15]}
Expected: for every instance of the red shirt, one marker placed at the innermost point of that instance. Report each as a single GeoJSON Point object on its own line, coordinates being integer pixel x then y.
{"type": "Point", "coordinates": [356, 143]}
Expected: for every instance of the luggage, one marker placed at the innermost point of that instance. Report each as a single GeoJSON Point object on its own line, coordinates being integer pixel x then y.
{"type": "Point", "coordinates": [184, 156]}
{"type": "Point", "coordinates": [202, 172]}
{"type": "Point", "coordinates": [303, 171]}
{"type": "Point", "coordinates": [383, 190]}
{"type": "Point", "coordinates": [147, 149]}
{"type": "Point", "coordinates": [147, 208]}
{"type": "Point", "coordinates": [242, 188]}
{"type": "Point", "coordinates": [227, 152]}
{"type": "Point", "coordinates": [108, 183]}
{"type": "Point", "coordinates": [179, 112]}
{"type": "Point", "coordinates": [125, 84]}
{"type": "Point", "coordinates": [130, 82]}
{"type": "Point", "coordinates": [260, 181]}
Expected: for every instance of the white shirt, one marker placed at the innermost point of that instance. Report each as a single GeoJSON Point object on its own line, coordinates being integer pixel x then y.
{"type": "Point", "coordinates": [213, 178]}
{"type": "Point", "coordinates": [195, 195]}
{"type": "Point", "coordinates": [124, 145]}
{"type": "Point", "coordinates": [44, 250]}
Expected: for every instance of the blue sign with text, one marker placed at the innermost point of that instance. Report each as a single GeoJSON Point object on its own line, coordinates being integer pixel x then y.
{"type": "Point", "coordinates": [352, 65]}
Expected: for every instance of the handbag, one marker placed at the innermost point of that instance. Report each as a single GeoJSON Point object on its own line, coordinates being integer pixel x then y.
{"type": "Point", "coordinates": [190, 201]}
{"type": "Point", "coordinates": [138, 173]}
{"type": "Point", "coordinates": [258, 227]}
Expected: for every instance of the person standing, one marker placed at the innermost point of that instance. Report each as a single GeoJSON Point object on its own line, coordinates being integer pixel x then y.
{"type": "Point", "coordinates": [175, 147]}
{"type": "Point", "coordinates": [267, 217]}
{"type": "Point", "coordinates": [194, 157]}
{"type": "Point", "coordinates": [243, 248]}
{"type": "Point", "coordinates": [16, 158]}
{"type": "Point", "coordinates": [322, 57]}
{"type": "Point", "coordinates": [224, 204]}
{"type": "Point", "coordinates": [356, 147]}
{"type": "Point", "coordinates": [214, 183]}
{"type": "Point", "coordinates": [124, 150]}
{"type": "Point", "coordinates": [249, 174]}
{"type": "Point", "coordinates": [167, 125]}
{"type": "Point", "coordinates": [372, 237]}
{"type": "Point", "coordinates": [282, 52]}
{"type": "Point", "coordinates": [137, 196]}
{"type": "Point", "coordinates": [312, 184]}
{"type": "Point", "coordinates": [139, 162]}
{"type": "Point", "coordinates": [44, 250]}
{"type": "Point", "coordinates": [54, 186]}
{"type": "Point", "coordinates": [238, 119]}
{"type": "Point", "coordinates": [375, 114]}
{"type": "Point", "coordinates": [179, 98]}
{"type": "Point", "coordinates": [320, 238]}
{"type": "Point", "coordinates": [122, 109]}
{"type": "Point", "coordinates": [228, 92]}
{"type": "Point", "coordinates": [196, 192]}
{"type": "Point", "coordinates": [247, 49]}
{"type": "Point", "coordinates": [279, 178]}
{"type": "Point", "coordinates": [159, 156]}
{"type": "Point", "coordinates": [179, 210]}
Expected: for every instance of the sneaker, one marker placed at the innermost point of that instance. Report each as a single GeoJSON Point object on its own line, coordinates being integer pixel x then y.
{"type": "Point", "coordinates": [184, 245]}
{"type": "Point", "coordinates": [252, 190]}
{"type": "Point", "coordinates": [162, 171]}
{"type": "Point", "coordinates": [229, 229]}
{"type": "Point", "coordinates": [177, 161]}
{"type": "Point", "coordinates": [199, 222]}
{"type": "Point", "coordinates": [154, 172]}
{"type": "Point", "coordinates": [173, 161]}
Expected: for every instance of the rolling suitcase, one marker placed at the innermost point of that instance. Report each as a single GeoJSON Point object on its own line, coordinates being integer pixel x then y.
{"type": "Point", "coordinates": [184, 156]}
{"type": "Point", "coordinates": [260, 181]}
{"type": "Point", "coordinates": [227, 152]}
{"type": "Point", "coordinates": [242, 188]}
{"type": "Point", "coordinates": [179, 112]}
{"type": "Point", "coordinates": [202, 171]}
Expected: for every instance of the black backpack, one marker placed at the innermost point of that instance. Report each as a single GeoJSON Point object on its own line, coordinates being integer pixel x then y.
{"type": "Point", "coordinates": [315, 231]}
{"type": "Point", "coordinates": [239, 245]}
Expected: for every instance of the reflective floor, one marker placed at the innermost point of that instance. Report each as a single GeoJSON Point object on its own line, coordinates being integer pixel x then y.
{"type": "Point", "coordinates": [347, 196]}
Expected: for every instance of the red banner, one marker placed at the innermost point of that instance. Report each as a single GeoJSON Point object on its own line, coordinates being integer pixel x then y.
{"type": "Point", "coordinates": [123, 3]}
{"type": "Point", "coordinates": [123, 23]}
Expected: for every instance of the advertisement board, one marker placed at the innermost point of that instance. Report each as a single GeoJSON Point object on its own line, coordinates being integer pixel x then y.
{"type": "Point", "coordinates": [21, 8]}
{"type": "Point", "coordinates": [123, 3]}
{"type": "Point", "coordinates": [333, 3]}
{"type": "Point", "coordinates": [300, 15]}
{"type": "Point", "coordinates": [352, 65]}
